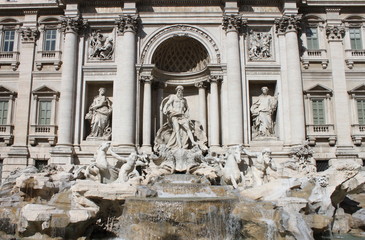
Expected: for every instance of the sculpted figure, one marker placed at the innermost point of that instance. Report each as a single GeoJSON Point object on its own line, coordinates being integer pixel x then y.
{"type": "Point", "coordinates": [231, 174]}
{"type": "Point", "coordinates": [259, 166]}
{"type": "Point", "coordinates": [262, 110]}
{"type": "Point", "coordinates": [128, 170]}
{"type": "Point", "coordinates": [260, 45]}
{"type": "Point", "coordinates": [177, 133]}
{"type": "Point", "coordinates": [99, 115]}
{"type": "Point", "coordinates": [101, 47]}
{"type": "Point", "coordinates": [101, 170]}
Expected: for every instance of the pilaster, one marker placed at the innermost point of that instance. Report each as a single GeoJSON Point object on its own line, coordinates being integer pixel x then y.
{"type": "Point", "coordinates": [335, 34]}
{"type": "Point", "coordinates": [289, 27]}
{"type": "Point", "coordinates": [202, 104]}
{"type": "Point", "coordinates": [63, 153]}
{"type": "Point", "coordinates": [125, 86]}
{"type": "Point", "coordinates": [147, 113]}
{"type": "Point", "coordinates": [214, 129]}
{"type": "Point", "coordinates": [232, 24]}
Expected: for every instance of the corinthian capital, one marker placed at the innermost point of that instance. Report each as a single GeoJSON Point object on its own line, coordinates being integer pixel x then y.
{"type": "Point", "coordinates": [233, 22]}
{"type": "Point", "coordinates": [29, 34]}
{"type": "Point", "coordinates": [73, 24]}
{"type": "Point", "coordinates": [127, 23]}
{"type": "Point", "coordinates": [287, 24]}
{"type": "Point", "coordinates": [335, 33]}
{"type": "Point", "coordinates": [215, 78]}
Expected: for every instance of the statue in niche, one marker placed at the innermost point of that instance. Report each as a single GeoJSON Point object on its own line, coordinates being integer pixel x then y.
{"type": "Point", "coordinates": [179, 132]}
{"type": "Point", "coordinates": [259, 46]}
{"type": "Point", "coordinates": [262, 113]}
{"type": "Point", "coordinates": [100, 115]}
{"type": "Point", "coordinates": [101, 47]}
{"type": "Point", "coordinates": [259, 167]}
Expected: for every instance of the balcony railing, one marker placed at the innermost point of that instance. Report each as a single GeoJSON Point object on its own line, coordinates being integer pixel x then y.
{"type": "Point", "coordinates": [358, 133]}
{"type": "Point", "coordinates": [50, 58]}
{"type": "Point", "coordinates": [353, 56]}
{"type": "Point", "coordinates": [10, 58]}
{"type": "Point", "coordinates": [315, 55]}
{"type": "Point", "coordinates": [323, 131]}
{"type": "Point", "coordinates": [6, 134]}
{"type": "Point", "coordinates": [43, 133]}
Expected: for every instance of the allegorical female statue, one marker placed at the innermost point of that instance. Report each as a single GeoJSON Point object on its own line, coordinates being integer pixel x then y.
{"type": "Point", "coordinates": [100, 115]}
{"type": "Point", "coordinates": [262, 112]}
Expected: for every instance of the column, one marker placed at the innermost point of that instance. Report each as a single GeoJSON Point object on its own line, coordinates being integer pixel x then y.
{"type": "Point", "coordinates": [214, 111]}
{"type": "Point", "coordinates": [125, 86]}
{"type": "Point", "coordinates": [335, 36]}
{"type": "Point", "coordinates": [232, 24]}
{"type": "Point", "coordinates": [160, 86]}
{"type": "Point", "coordinates": [289, 26]}
{"type": "Point", "coordinates": [147, 98]}
{"type": "Point", "coordinates": [68, 81]}
{"type": "Point", "coordinates": [63, 153]}
{"type": "Point", "coordinates": [19, 153]}
{"type": "Point", "coordinates": [202, 104]}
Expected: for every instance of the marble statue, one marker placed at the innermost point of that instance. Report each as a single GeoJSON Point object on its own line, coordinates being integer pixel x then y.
{"type": "Point", "coordinates": [100, 115]}
{"type": "Point", "coordinates": [262, 111]}
{"type": "Point", "coordinates": [101, 170]}
{"type": "Point", "coordinates": [101, 47]}
{"type": "Point", "coordinates": [179, 132]}
{"type": "Point", "coordinates": [302, 160]}
{"type": "Point", "coordinates": [231, 174]}
{"type": "Point", "coordinates": [259, 166]}
{"type": "Point", "coordinates": [259, 46]}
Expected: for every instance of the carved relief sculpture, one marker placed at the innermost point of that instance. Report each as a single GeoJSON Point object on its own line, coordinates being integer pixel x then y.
{"type": "Point", "coordinates": [262, 111]}
{"type": "Point", "coordinates": [101, 46]}
{"type": "Point", "coordinates": [260, 46]}
{"type": "Point", "coordinates": [100, 115]}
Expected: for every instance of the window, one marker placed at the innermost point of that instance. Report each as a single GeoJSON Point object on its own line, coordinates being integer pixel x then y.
{"type": "Point", "coordinates": [3, 112]}
{"type": "Point", "coordinates": [312, 38]}
{"type": "Point", "coordinates": [318, 111]}
{"type": "Point", "coordinates": [361, 111]}
{"type": "Point", "coordinates": [45, 112]}
{"type": "Point", "coordinates": [355, 38]}
{"type": "Point", "coordinates": [40, 164]}
{"type": "Point", "coordinates": [50, 40]}
{"type": "Point", "coordinates": [8, 42]}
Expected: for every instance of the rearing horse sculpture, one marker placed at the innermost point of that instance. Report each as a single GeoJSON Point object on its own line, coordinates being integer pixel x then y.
{"type": "Point", "coordinates": [231, 174]}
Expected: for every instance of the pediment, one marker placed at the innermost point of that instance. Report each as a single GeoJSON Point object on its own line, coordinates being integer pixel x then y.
{"type": "Point", "coordinates": [359, 90]}
{"type": "Point", "coordinates": [5, 92]}
{"type": "Point", "coordinates": [44, 90]}
{"type": "Point", "coordinates": [318, 90]}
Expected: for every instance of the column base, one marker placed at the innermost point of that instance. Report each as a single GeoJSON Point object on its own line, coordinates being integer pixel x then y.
{"type": "Point", "coordinates": [124, 149]}
{"type": "Point", "coordinates": [62, 155]}
{"type": "Point", "coordinates": [17, 158]}
{"type": "Point", "coordinates": [145, 149]}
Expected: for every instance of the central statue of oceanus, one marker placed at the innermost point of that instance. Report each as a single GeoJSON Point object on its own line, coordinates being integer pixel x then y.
{"type": "Point", "coordinates": [179, 132]}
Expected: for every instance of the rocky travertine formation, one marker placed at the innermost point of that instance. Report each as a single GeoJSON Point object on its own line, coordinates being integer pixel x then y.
{"type": "Point", "coordinates": [66, 203]}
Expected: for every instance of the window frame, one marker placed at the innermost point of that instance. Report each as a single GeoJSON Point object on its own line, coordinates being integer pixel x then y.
{"type": "Point", "coordinates": [309, 39]}
{"type": "Point", "coordinates": [52, 41]}
{"type": "Point", "coordinates": [357, 45]}
{"type": "Point", "coordinates": [316, 118]}
{"type": "Point", "coordinates": [42, 94]}
{"type": "Point", "coordinates": [9, 25]}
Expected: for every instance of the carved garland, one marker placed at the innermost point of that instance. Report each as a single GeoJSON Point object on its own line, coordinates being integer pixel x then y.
{"type": "Point", "coordinates": [180, 28]}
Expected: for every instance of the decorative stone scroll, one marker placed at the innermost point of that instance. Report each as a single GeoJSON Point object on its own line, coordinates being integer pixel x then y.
{"type": "Point", "coordinates": [335, 32]}
{"type": "Point", "coordinates": [127, 23]}
{"type": "Point", "coordinates": [29, 34]}
{"type": "Point", "coordinates": [260, 46]}
{"type": "Point", "coordinates": [287, 24]}
{"type": "Point", "coordinates": [233, 22]}
{"type": "Point", "coordinates": [73, 24]}
{"type": "Point", "coordinates": [101, 46]}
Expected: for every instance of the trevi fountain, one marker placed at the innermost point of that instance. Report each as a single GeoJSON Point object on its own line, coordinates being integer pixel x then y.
{"type": "Point", "coordinates": [185, 190]}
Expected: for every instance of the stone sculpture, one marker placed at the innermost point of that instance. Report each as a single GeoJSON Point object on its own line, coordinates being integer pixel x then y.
{"type": "Point", "coordinates": [231, 174]}
{"type": "Point", "coordinates": [101, 170]}
{"type": "Point", "coordinates": [259, 166]}
{"type": "Point", "coordinates": [100, 115]}
{"type": "Point", "coordinates": [302, 160]}
{"type": "Point", "coordinates": [262, 111]}
{"type": "Point", "coordinates": [179, 132]}
{"type": "Point", "coordinates": [101, 47]}
{"type": "Point", "coordinates": [259, 46]}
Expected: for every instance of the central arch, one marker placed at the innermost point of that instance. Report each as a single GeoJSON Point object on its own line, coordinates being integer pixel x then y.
{"type": "Point", "coordinates": [183, 31]}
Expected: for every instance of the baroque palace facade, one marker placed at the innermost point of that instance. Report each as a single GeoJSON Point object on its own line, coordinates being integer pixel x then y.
{"type": "Point", "coordinates": [75, 73]}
